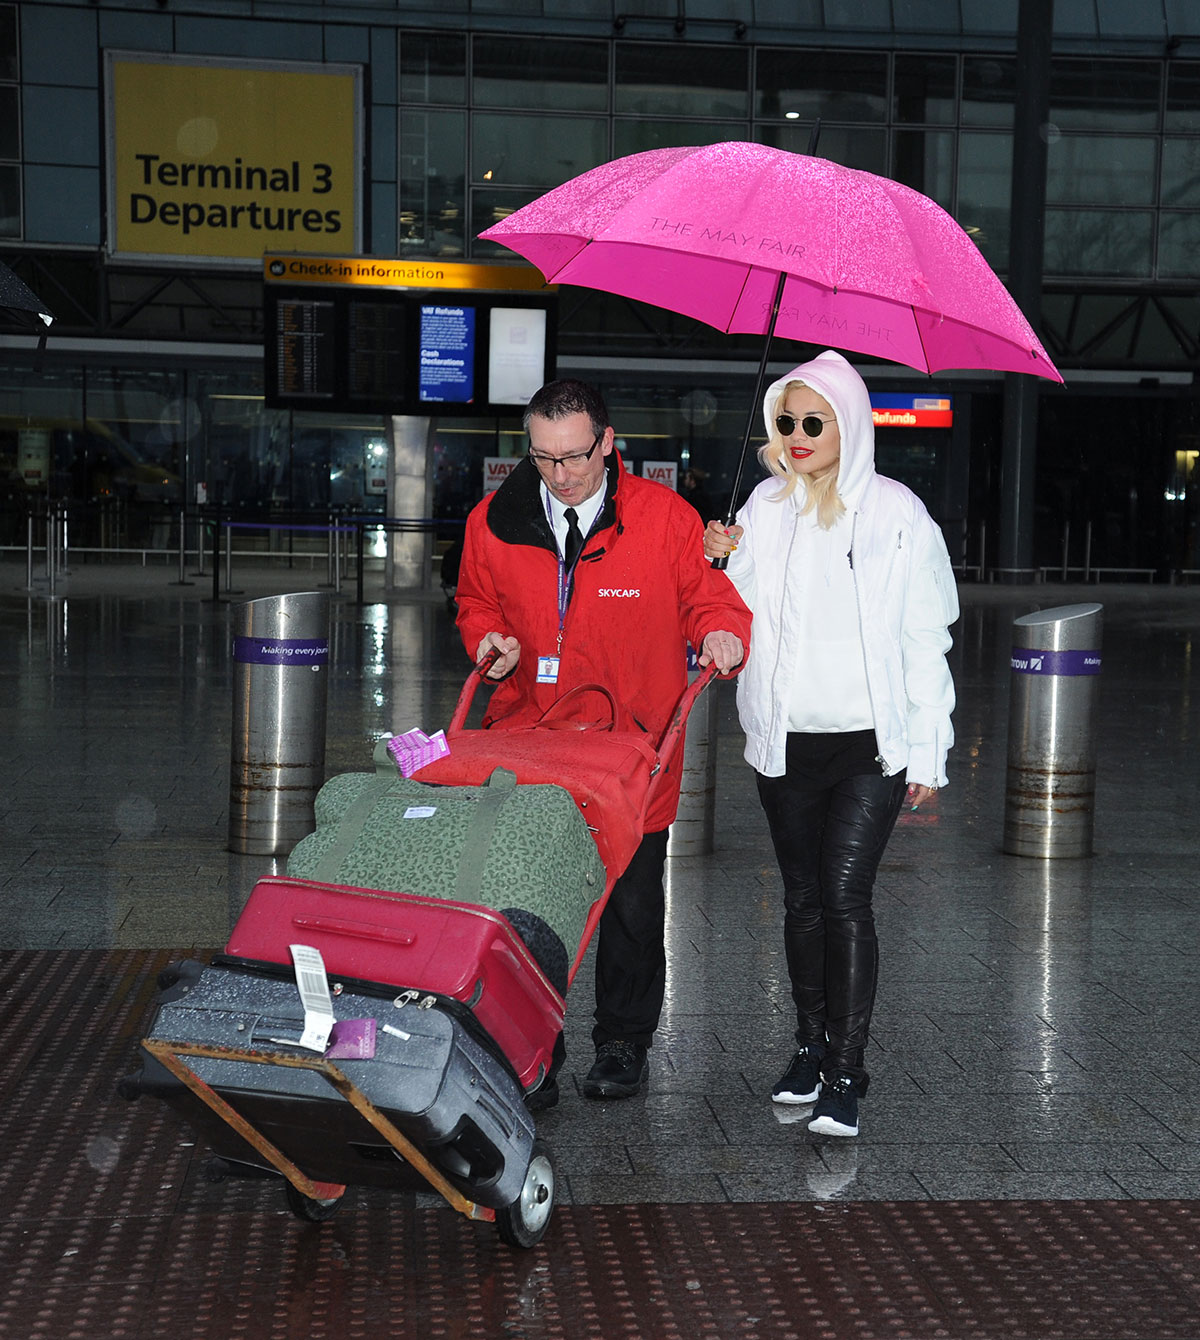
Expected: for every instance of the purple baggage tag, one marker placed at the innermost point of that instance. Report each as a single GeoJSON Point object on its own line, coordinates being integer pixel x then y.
{"type": "Point", "coordinates": [351, 1040]}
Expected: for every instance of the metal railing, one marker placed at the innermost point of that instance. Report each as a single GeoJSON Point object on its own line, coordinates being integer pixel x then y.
{"type": "Point", "coordinates": [207, 536]}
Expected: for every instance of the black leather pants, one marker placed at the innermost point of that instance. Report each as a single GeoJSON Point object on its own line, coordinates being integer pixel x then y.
{"type": "Point", "coordinates": [829, 842]}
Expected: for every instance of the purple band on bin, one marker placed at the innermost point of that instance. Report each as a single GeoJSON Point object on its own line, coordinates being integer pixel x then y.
{"type": "Point", "coordinates": [281, 651]}
{"type": "Point", "coordinates": [1028, 662]}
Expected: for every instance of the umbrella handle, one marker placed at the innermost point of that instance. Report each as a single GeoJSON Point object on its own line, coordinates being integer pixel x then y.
{"type": "Point", "coordinates": [720, 564]}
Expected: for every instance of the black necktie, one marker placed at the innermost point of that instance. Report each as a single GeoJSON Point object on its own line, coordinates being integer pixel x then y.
{"type": "Point", "coordinates": [574, 538]}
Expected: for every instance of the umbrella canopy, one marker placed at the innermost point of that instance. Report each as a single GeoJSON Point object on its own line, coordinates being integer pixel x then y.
{"type": "Point", "coordinates": [867, 265]}
{"type": "Point", "coordinates": [19, 302]}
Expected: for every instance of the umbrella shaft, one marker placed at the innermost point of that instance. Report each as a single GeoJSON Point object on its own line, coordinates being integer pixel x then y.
{"type": "Point", "coordinates": [731, 513]}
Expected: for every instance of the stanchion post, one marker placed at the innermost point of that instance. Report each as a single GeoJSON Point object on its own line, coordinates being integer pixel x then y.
{"type": "Point", "coordinates": [51, 547]}
{"type": "Point", "coordinates": [182, 578]}
{"type": "Point", "coordinates": [216, 556]}
{"type": "Point", "coordinates": [336, 539]}
{"type": "Point", "coordinates": [200, 546]}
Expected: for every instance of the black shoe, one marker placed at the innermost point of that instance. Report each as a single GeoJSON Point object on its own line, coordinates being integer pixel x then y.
{"type": "Point", "coordinates": [836, 1112]}
{"type": "Point", "coordinates": [801, 1081]}
{"type": "Point", "coordinates": [544, 1097]}
{"type": "Point", "coordinates": [620, 1069]}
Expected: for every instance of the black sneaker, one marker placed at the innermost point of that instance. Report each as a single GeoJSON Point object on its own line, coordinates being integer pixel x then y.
{"type": "Point", "coordinates": [619, 1071]}
{"type": "Point", "coordinates": [836, 1112]}
{"type": "Point", "coordinates": [801, 1081]}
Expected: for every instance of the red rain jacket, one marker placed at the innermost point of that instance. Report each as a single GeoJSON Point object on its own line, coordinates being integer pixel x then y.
{"type": "Point", "coordinates": [642, 590]}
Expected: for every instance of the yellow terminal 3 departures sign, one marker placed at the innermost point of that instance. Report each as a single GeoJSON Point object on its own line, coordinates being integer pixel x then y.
{"type": "Point", "coordinates": [222, 159]}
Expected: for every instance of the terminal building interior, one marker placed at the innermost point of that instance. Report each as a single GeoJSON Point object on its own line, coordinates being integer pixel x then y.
{"type": "Point", "coordinates": [1028, 1164]}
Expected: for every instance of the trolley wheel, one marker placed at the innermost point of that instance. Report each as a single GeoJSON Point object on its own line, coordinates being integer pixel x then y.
{"type": "Point", "coordinates": [305, 1207]}
{"type": "Point", "coordinates": [168, 977]}
{"type": "Point", "coordinates": [524, 1222]}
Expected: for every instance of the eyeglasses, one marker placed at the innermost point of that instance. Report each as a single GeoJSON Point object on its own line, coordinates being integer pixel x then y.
{"type": "Point", "coordinates": [568, 462]}
{"type": "Point", "coordinates": [812, 424]}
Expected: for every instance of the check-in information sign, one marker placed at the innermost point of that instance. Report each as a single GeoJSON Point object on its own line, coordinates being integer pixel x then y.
{"type": "Point", "coordinates": [221, 159]}
{"type": "Point", "coordinates": [367, 334]}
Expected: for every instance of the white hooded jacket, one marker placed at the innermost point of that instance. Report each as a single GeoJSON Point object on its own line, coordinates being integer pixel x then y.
{"type": "Point", "coordinates": [904, 585]}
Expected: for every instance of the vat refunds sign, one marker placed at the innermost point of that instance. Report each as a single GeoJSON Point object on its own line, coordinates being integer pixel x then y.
{"type": "Point", "coordinates": [222, 159]}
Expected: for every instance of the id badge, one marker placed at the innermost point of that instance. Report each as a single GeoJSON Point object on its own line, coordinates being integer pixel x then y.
{"type": "Point", "coordinates": [547, 670]}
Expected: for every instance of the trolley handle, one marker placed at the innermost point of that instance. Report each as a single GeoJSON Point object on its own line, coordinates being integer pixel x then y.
{"type": "Point", "coordinates": [467, 693]}
{"type": "Point", "coordinates": [673, 735]}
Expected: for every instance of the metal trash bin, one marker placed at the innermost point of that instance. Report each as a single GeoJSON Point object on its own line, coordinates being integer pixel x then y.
{"type": "Point", "coordinates": [1051, 782]}
{"type": "Point", "coordinates": [691, 834]}
{"type": "Point", "coordinates": [280, 693]}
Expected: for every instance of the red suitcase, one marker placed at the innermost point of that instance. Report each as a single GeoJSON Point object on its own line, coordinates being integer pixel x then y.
{"type": "Point", "coordinates": [454, 949]}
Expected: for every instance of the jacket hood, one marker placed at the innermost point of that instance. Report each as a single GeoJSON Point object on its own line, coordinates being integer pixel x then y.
{"type": "Point", "coordinates": [832, 377]}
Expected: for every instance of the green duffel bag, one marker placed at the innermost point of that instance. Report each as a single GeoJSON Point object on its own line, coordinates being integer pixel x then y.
{"type": "Point", "coordinates": [524, 851]}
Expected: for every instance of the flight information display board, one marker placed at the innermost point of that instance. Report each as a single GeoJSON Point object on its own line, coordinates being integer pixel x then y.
{"type": "Point", "coordinates": [304, 348]}
{"type": "Point", "coordinates": [354, 351]}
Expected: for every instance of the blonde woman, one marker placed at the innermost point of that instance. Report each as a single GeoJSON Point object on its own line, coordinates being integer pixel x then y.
{"type": "Point", "coordinates": [845, 702]}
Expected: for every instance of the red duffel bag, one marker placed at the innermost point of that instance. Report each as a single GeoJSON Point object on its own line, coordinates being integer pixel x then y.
{"type": "Point", "coordinates": [606, 769]}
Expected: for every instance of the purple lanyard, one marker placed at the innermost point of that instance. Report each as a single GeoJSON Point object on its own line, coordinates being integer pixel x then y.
{"type": "Point", "coordinates": [565, 575]}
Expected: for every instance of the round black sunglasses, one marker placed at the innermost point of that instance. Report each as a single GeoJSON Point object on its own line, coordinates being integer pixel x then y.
{"type": "Point", "coordinates": [811, 423]}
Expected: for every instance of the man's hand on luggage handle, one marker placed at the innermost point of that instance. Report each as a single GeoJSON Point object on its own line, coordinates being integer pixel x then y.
{"type": "Point", "coordinates": [724, 649]}
{"type": "Point", "coordinates": [509, 654]}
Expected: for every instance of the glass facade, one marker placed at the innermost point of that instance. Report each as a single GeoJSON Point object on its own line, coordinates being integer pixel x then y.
{"type": "Point", "coordinates": [10, 125]}
{"type": "Point", "coordinates": [126, 448]}
{"type": "Point", "coordinates": [1122, 171]}
{"type": "Point", "coordinates": [547, 75]}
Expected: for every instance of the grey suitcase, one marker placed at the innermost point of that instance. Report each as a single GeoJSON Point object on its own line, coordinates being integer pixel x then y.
{"type": "Point", "coordinates": [458, 1104]}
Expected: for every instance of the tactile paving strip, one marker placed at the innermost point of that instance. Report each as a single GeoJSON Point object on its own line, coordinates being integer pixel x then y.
{"type": "Point", "coordinates": [108, 1231]}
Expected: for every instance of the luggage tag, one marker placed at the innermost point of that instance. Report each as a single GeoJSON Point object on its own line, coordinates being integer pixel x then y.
{"type": "Point", "coordinates": [414, 749]}
{"type": "Point", "coordinates": [313, 986]}
{"type": "Point", "coordinates": [547, 670]}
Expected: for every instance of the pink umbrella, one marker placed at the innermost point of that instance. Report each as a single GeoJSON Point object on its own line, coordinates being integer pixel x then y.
{"type": "Point", "coordinates": [713, 231]}
{"type": "Point", "coordinates": [755, 240]}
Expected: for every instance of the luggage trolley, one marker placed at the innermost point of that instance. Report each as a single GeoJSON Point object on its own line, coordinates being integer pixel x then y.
{"type": "Point", "coordinates": [353, 1036]}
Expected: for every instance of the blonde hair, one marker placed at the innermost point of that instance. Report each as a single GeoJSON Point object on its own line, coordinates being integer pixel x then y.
{"type": "Point", "coordinates": [820, 489]}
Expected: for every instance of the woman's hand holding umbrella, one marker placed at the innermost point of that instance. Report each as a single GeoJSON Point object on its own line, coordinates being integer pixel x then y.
{"type": "Point", "coordinates": [720, 540]}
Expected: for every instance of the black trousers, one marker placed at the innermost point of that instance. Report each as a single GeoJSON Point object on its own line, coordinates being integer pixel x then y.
{"type": "Point", "coordinates": [631, 957]}
{"type": "Point", "coordinates": [829, 841]}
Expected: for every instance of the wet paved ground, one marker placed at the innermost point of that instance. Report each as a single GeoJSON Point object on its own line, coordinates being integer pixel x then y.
{"type": "Point", "coordinates": [1029, 1162]}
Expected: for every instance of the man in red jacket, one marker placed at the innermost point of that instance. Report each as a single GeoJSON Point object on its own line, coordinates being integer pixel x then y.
{"type": "Point", "coordinates": [578, 572]}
